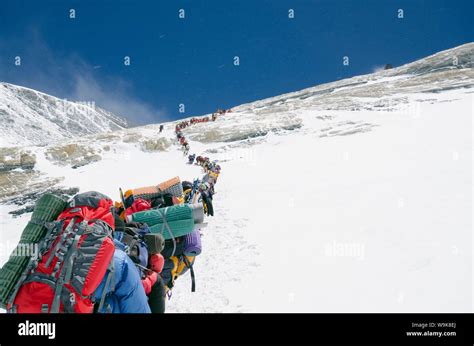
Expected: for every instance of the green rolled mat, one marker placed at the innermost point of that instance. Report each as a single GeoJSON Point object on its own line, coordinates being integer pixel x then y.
{"type": "Point", "coordinates": [9, 276]}
{"type": "Point", "coordinates": [47, 209]}
{"type": "Point", "coordinates": [180, 218]}
{"type": "Point", "coordinates": [155, 216]}
{"type": "Point", "coordinates": [178, 228]}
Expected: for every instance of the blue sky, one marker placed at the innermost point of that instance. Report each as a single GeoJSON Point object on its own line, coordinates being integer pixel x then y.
{"type": "Point", "coordinates": [190, 61]}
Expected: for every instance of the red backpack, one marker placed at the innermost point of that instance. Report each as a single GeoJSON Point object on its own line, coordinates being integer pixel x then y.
{"type": "Point", "coordinates": [73, 259]}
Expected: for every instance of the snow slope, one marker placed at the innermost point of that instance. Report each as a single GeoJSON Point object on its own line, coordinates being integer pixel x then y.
{"type": "Point", "coordinates": [369, 222]}
{"type": "Point", "coordinates": [29, 117]}
{"type": "Point", "coordinates": [352, 197]}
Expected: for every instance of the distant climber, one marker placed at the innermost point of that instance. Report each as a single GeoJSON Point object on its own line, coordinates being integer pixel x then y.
{"type": "Point", "coordinates": [161, 128]}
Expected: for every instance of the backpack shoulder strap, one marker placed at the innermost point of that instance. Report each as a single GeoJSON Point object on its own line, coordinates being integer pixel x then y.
{"type": "Point", "coordinates": [191, 269]}
{"type": "Point", "coordinates": [165, 225]}
{"type": "Point", "coordinates": [109, 285]}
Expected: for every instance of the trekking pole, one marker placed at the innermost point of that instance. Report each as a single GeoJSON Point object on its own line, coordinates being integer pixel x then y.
{"type": "Point", "coordinates": [122, 197]}
{"type": "Point", "coordinates": [142, 267]}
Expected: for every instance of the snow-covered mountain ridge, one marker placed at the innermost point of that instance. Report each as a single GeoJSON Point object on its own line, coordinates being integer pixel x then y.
{"type": "Point", "coordinates": [30, 117]}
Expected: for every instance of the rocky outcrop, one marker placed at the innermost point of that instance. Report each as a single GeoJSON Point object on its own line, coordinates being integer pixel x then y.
{"type": "Point", "coordinates": [229, 132]}
{"type": "Point", "coordinates": [160, 144]}
{"type": "Point", "coordinates": [14, 158]}
{"type": "Point", "coordinates": [74, 154]}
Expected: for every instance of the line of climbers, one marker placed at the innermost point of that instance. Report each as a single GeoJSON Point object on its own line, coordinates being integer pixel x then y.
{"type": "Point", "coordinates": [220, 111]}
{"type": "Point", "coordinates": [181, 139]}
{"type": "Point", "coordinates": [185, 123]}
{"type": "Point", "coordinates": [93, 255]}
{"type": "Point", "coordinates": [211, 169]}
{"type": "Point", "coordinates": [202, 161]}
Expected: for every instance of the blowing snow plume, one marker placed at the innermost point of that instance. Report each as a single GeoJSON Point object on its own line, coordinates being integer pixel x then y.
{"type": "Point", "coordinates": [119, 99]}
{"type": "Point", "coordinates": [72, 78]}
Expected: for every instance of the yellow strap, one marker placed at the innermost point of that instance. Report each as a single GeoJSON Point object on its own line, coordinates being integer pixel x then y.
{"type": "Point", "coordinates": [179, 266]}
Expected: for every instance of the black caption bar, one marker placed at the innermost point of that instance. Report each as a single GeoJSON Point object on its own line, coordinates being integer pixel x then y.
{"type": "Point", "coordinates": [450, 329]}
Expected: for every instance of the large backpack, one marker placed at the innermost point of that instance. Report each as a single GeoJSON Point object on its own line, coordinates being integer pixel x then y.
{"type": "Point", "coordinates": [194, 193]}
{"type": "Point", "coordinates": [139, 242]}
{"type": "Point", "coordinates": [180, 257]}
{"type": "Point", "coordinates": [74, 257]}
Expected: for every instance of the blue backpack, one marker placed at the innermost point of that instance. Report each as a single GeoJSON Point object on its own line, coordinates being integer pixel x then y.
{"type": "Point", "coordinates": [133, 238]}
{"type": "Point", "coordinates": [139, 242]}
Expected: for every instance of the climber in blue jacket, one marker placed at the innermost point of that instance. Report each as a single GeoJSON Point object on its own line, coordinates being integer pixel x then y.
{"type": "Point", "coordinates": [124, 292]}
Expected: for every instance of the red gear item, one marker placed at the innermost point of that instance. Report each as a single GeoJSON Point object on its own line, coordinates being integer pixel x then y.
{"type": "Point", "coordinates": [138, 205]}
{"type": "Point", "coordinates": [157, 262]}
{"type": "Point", "coordinates": [149, 281]}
